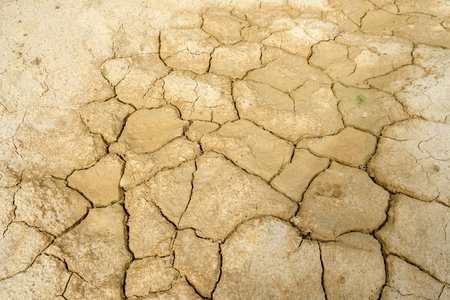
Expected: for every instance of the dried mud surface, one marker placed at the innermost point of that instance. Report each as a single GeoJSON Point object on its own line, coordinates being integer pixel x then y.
{"type": "Point", "coordinates": [233, 149]}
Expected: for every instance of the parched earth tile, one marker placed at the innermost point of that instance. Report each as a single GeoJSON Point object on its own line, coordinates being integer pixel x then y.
{"type": "Point", "coordinates": [353, 9]}
{"type": "Point", "coordinates": [147, 130]}
{"type": "Point", "coordinates": [49, 204]}
{"type": "Point", "coordinates": [96, 251]}
{"type": "Point", "coordinates": [105, 118]}
{"type": "Point", "coordinates": [223, 26]}
{"type": "Point", "coordinates": [353, 267]}
{"type": "Point", "coordinates": [272, 19]}
{"type": "Point", "coordinates": [59, 145]}
{"type": "Point", "coordinates": [135, 37]}
{"type": "Point", "coordinates": [150, 233]}
{"type": "Point", "coordinates": [171, 190]}
{"type": "Point", "coordinates": [225, 195]}
{"type": "Point", "coordinates": [7, 207]}
{"type": "Point", "coordinates": [340, 200]}
{"type": "Point", "coordinates": [350, 146]}
{"type": "Point", "coordinates": [19, 247]}
{"type": "Point", "coordinates": [250, 147]}
{"type": "Point", "coordinates": [427, 97]}
{"type": "Point", "coordinates": [424, 30]}
{"type": "Point", "coordinates": [197, 259]}
{"type": "Point", "coordinates": [100, 183]}
{"type": "Point", "coordinates": [145, 70]}
{"type": "Point", "coordinates": [269, 246]}
{"type": "Point", "coordinates": [150, 275]}
{"type": "Point", "coordinates": [12, 164]}
{"type": "Point", "coordinates": [397, 80]}
{"type": "Point", "coordinates": [417, 231]}
{"type": "Point", "coordinates": [285, 71]}
{"type": "Point", "coordinates": [406, 279]}
{"type": "Point", "coordinates": [236, 60]}
{"type": "Point", "coordinates": [290, 118]}
{"type": "Point", "coordinates": [296, 176]}
{"type": "Point", "coordinates": [413, 158]}
{"type": "Point", "coordinates": [357, 57]}
{"type": "Point", "coordinates": [368, 109]}
{"type": "Point", "coordinates": [299, 39]}
{"type": "Point", "coordinates": [204, 97]}
{"type": "Point", "coordinates": [10, 122]}
{"type": "Point", "coordinates": [45, 279]}
{"type": "Point", "coordinates": [181, 290]}
{"type": "Point", "coordinates": [199, 128]}
{"type": "Point", "coordinates": [115, 69]}
{"type": "Point", "coordinates": [141, 167]}
{"type": "Point", "coordinates": [382, 22]}
{"type": "Point", "coordinates": [186, 49]}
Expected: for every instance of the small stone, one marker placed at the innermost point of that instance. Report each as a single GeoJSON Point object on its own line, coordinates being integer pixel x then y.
{"type": "Point", "coordinates": [141, 167]}
{"type": "Point", "coordinates": [45, 279]}
{"type": "Point", "coordinates": [203, 97]}
{"type": "Point", "coordinates": [19, 247]}
{"type": "Point", "coordinates": [268, 245]}
{"type": "Point", "coordinates": [223, 26]}
{"type": "Point", "coordinates": [416, 230]}
{"type": "Point", "coordinates": [149, 275]}
{"type": "Point", "coordinates": [286, 72]}
{"type": "Point", "coordinates": [410, 280]}
{"type": "Point", "coordinates": [197, 259]}
{"type": "Point", "coordinates": [59, 145]}
{"type": "Point", "coordinates": [96, 250]}
{"type": "Point", "coordinates": [353, 267]}
{"type": "Point", "coordinates": [115, 69]}
{"type": "Point", "coordinates": [49, 205]}
{"type": "Point", "coordinates": [340, 200]}
{"type": "Point", "coordinates": [145, 70]}
{"type": "Point", "coordinates": [350, 146]}
{"type": "Point", "coordinates": [413, 158]}
{"type": "Point", "coordinates": [150, 233]}
{"type": "Point", "coordinates": [186, 49]}
{"type": "Point", "coordinates": [100, 183]}
{"type": "Point", "coordinates": [147, 130]}
{"type": "Point", "coordinates": [105, 118]}
{"type": "Point", "coordinates": [241, 196]}
{"type": "Point", "coordinates": [290, 118]}
{"type": "Point", "coordinates": [7, 208]}
{"type": "Point", "coordinates": [296, 176]}
{"type": "Point", "coordinates": [236, 60]}
{"type": "Point", "coordinates": [199, 128]}
{"type": "Point", "coordinates": [368, 109]}
{"type": "Point", "coordinates": [250, 147]}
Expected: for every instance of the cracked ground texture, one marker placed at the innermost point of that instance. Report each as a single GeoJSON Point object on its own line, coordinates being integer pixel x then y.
{"type": "Point", "coordinates": [203, 149]}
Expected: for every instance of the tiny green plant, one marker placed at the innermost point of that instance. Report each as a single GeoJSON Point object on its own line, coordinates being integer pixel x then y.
{"type": "Point", "coordinates": [360, 99]}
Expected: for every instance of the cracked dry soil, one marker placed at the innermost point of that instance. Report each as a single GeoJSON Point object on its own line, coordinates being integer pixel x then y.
{"type": "Point", "coordinates": [225, 149]}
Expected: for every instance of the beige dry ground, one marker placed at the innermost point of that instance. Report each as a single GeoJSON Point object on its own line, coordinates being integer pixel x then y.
{"type": "Point", "coordinates": [236, 149]}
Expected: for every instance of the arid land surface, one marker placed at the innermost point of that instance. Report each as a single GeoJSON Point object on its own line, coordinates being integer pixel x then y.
{"type": "Point", "coordinates": [277, 149]}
